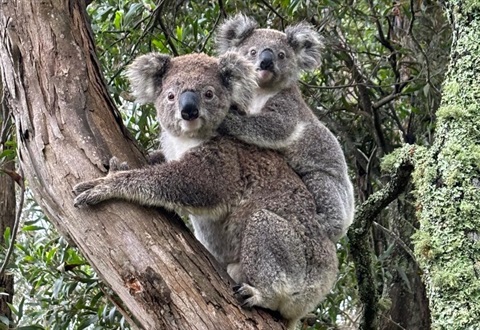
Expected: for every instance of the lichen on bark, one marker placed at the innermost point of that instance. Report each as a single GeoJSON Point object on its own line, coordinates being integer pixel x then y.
{"type": "Point", "coordinates": [447, 180]}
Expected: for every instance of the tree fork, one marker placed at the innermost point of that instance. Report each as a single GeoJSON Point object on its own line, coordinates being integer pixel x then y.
{"type": "Point", "coordinates": [67, 129]}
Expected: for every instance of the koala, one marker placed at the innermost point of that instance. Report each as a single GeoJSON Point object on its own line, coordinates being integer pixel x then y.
{"type": "Point", "coordinates": [279, 118]}
{"type": "Point", "coordinates": [247, 206]}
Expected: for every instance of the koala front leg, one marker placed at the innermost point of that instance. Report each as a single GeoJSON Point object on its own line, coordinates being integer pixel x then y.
{"type": "Point", "coordinates": [156, 157]}
{"type": "Point", "coordinates": [170, 185]}
{"type": "Point", "coordinates": [269, 130]}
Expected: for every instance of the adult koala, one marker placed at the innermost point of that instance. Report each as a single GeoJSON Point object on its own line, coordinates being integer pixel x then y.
{"type": "Point", "coordinates": [279, 118]}
{"type": "Point", "coordinates": [247, 206]}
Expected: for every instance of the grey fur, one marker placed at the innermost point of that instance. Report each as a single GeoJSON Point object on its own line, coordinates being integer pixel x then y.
{"type": "Point", "coordinates": [247, 206]}
{"type": "Point", "coordinates": [280, 119]}
{"type": "Point", "coordinates": [145, 76]}
{"type": "Point", "coordinates": [234, 31]}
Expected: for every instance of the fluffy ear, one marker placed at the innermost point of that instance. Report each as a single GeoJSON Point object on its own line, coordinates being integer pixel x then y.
{"type": "Point", "coordinates": [238, 75]}
{"type": "Point", "coordinates": [233, 31]}
{"type": "Point", "coordinates": [145, 75]}
{"type": "Point", "coordinates": [307, 44]}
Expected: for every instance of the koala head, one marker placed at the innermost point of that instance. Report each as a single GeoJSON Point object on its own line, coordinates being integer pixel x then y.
{"type": "Point", "coordinates": [277, 57]}
{"type": "Point", "coordinates": [192, 93]}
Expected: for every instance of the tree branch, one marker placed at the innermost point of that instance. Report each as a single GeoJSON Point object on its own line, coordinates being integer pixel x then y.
{"type": "Point", "coordinates": [359, 236]}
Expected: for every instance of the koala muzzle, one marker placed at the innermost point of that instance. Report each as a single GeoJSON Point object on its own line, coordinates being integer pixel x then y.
{"type": "Point", "coordinates": [188, 104]}
{"type": "Point", "coordinates": [266, 59]}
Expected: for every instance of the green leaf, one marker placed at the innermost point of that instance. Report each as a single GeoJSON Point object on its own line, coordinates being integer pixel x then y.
{"type": "Point", "coordinates": [5, 321]}
{"type": "Point", "coordinates": [57, 287]}
{"type": "Point", "coordinates": [118, 20]}
{"type": "Point", "coordinates": [20, 308]}
{"type": "Point", "coordinates": [32, 228]}
{"type": "Point", "coordinates": [6, 236]}
{"type": "Point", "coordinates": [12, 308]}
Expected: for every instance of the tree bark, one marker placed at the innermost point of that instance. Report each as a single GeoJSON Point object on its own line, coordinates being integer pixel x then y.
{"type": "Point", "coordinates": [447, 182]}
{"type": "Point", "coordinates": [67, 129]}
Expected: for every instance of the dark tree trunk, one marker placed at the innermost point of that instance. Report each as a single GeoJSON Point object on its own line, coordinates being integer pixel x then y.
{"type": "Point", "coordinates": [67, 129]}
{"type": "Point", "coordinates": [405, 287]}
{"type": "Point", "coordinates": [7, 218]}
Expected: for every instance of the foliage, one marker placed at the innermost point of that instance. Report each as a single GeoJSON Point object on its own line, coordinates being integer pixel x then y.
{"type": "Point", "coordinates": [55, 286]}
{"type": "Point", "coordinates": [378, 87]}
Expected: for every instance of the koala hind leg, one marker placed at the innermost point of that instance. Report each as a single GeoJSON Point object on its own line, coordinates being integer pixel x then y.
{"type": "Point", "coordinates": [334, 202]}
{"type": "Point", "coordinates": [236, 272]}
{"type": "Point", "coordinates": [275, 265]}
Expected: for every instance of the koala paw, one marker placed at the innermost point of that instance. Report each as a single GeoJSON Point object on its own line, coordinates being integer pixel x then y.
{"type": "Point", "coordinates": [115, 165]}
{"type": "Point", "coordinates": [89, 192]}
{"type": "Point", "coordinates": [247, 295]}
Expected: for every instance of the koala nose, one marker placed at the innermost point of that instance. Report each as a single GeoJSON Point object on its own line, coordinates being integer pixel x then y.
{"type": "Point", "coordinates": [266, 59]}
{"type": "Point", "coordinates": [188, 103]}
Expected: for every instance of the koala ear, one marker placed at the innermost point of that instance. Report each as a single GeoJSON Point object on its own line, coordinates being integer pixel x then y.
{"type": "Point", "coordinates": [233, 31]}
{"type": "Point", "coordinates": [307, 44]}
{"type": "Point", "coordinates": [145, 75]}
{"type": "Point", "coordinates": [238, 75]}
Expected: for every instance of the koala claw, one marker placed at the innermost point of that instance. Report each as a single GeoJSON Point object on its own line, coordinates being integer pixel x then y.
{"type": "Point", "coordinates": [89, 197]}
{"type": "Point", "coordinates": [87, 185]}
{"type": "Point", "coordinates": [245, 294]}
{"type": "Point", "coordinates": [236, 287]}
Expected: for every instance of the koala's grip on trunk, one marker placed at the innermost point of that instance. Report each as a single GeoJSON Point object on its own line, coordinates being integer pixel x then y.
{"type": "Point", "coordinates": [279, 119]}
{"type": "Point", "coordinates": [246, 205]}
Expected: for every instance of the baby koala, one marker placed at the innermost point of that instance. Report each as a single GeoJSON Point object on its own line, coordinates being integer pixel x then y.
{"type": "Point", "coordinates": [247, 206]}
{"type": "Point", "coordinates": [279, 118]}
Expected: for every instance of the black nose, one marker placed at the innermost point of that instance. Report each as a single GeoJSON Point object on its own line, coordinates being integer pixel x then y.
{"type": "Point", "coordinates": [266, 58]}
{"type": "Point", "coordinates": [188, 104]}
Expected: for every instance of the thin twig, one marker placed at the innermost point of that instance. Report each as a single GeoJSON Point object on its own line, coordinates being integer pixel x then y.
{"type": "Point", "coordinates": [397, 239]}
{"type": "Point", "coordinates": [16, 224]}
{"type": "Point", "coordinates": [269, 6]}
{"type": "Point", "coordinates": [419, 47]}
{"type": "Point", "coordinates": [360, 241]}
{"type": "Point", "coordinates": [214, 28]}
{"type": "Point", "coordinates": [150, 25]}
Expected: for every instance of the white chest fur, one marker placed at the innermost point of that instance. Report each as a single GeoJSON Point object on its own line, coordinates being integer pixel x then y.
{"type": "Point", "coordinates": [174, 147]}
{"type": "Point", "coordinates": [259, 100]}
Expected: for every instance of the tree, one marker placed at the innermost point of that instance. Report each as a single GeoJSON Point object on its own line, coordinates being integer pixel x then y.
{"type": "Point", "coordinates": [67, 129]}
{"type": "Point", "coordinates": [447, 184]}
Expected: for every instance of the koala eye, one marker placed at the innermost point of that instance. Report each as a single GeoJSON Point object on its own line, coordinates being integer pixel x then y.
{"type": "Point", "coordinates": [209, 94]}
{"type": "Point", "coordinates": [253, 52]}
{"type": "Point", "coordinates": [281, 55]}
{"type": "Point", "coordinates": [171, 96]}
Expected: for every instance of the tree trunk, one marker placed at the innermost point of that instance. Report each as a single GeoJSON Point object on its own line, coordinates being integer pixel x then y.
{"type": "Point", "coordinates": [67, 129]}
{"type": "Point", "coordinates": [447, 182]}
{"type": "Point", "coordinates": [7, 212]}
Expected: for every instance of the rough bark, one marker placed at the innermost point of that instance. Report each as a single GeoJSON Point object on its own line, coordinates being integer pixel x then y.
{"type": "Point", "coordinates": [67, 129]}
{"type": "Point", "coordinates": [447, 182]}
